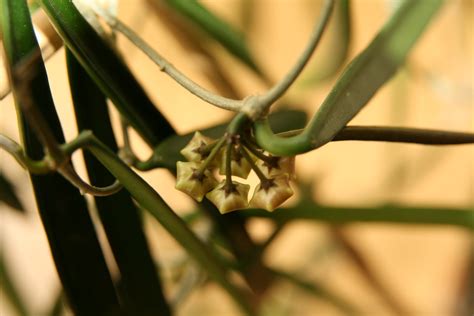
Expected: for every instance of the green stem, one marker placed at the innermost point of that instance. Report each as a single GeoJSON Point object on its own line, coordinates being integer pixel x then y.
{"type": "Point", "coordinates": [147, 197]}
{"type": "Point", "coordinates": [281, 87]}
{"type": "Point", "coordinates": [212, 155]}
{"type": "Point", "coordinates": [254, 167]}
{"type": "Point", "coordinates": [34, 166]}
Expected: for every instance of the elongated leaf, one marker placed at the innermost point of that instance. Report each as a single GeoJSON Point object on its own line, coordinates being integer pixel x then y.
{"type": "Point", "coordinates": [108, 71]}
{"type": "Point", "coordinates": [71, 235]}
{"type": "Point", "coordinates": [118, 213]}
{"type": "Point", "coordinates": [8, 195]}
{"type": "Point", "coordinates": [169, 149]}
{"type": "Point", "coordinates": [8, 288]}
{"type": "Point", "coordinates": [362, 78]}
{"type": "Point", "coordinates": [463, 218]}
{"type": "Point", "coordinates": [216, 28]}
{"type": "Point", "coordinates": [372, 68]}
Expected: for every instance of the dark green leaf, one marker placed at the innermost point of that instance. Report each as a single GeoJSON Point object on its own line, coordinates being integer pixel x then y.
{"type": "Point", "coordinates": [139, 280]}
{"type": "Point", "coordinates": [108, 71]}
{"type": "Point", "coordinates": [8, 195]}
{"type": "Point", "coordinates": [71, 235]}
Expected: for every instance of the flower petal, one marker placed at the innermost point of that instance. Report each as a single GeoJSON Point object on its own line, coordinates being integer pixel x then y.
{"type": "Point", "coordinates": [228, 202]}
{"type": "Point", "coordinates": [189, 184]}
{"type": "Point", "coordinates": [191, 150]}
{"type": "Point", "coordinates": [271, 198]}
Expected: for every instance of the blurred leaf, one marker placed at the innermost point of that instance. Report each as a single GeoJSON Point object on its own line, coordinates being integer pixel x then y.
{"type": "Point", "coordinates": [57, 308]}
{"type": "Point", "coordinates": [139, 279]}
{"type": "Point", "coordinates": [169, 149]}
{"type": "Point", "coordinates": [73, 242]}
{"type": "Point", "coordinates": [8, 195]}
{"type": "Point", "coordinates": [108, 71]}
{"type": "Point", "coordinates": [9, 290]}
{"type": "Point", "coordinates": [318, 291]}
{"type": "Point", "coordinates": [334, 49]}
{"type": "Point", "coordinates": [216, 28]}
{"type": "Point", "coordinates": [393, 214]}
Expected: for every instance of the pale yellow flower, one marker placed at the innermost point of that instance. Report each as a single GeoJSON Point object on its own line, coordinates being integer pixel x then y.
{"type": "Point", "coordinates": [283, 165]}
{"type": "Point", "coordinates": [272, 196]}
{"type": "Point", "coordinates": [229, 201]}
{"type": "Point", "coordinates": [192, 150]}
{"type": "Point", "coordinates": [189, 183]}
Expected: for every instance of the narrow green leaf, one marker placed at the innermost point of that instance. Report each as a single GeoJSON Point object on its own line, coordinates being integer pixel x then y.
{"type": "Point", "coordinates": [108, 71]}
{"type": "Point", "coordinates": [8, 288]}
{"type": "Point", "coordinates": [390, 214]}
{"type": "Point", "coordinates": [362, 78]}
{"type": "Point", "coordinates": [372, 69]}
{"type": "Point", "coordinates": [216, 28]}
{"type": "Point", "coordinates": [8, 195]}
{"type": "Point", "coordinates": [118, 213]}
{"type": "Point", "coordinates": [71, 235]}
{"type": "Point", "coordinates": [169, 149]}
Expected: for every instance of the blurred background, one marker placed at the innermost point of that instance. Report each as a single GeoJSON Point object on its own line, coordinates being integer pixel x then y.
{"type": "Point", "coordinates": [380, 269]}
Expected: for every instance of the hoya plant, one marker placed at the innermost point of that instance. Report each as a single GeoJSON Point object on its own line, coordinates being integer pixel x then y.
{"type": "Point", "coordinates": [211, 165]}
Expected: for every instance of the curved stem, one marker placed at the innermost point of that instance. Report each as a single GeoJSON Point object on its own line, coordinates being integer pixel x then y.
{"type": "Point", "coordinates": [361, 79]}
{"type": "Point", "coordinates": [167, 67]}
{"type": "Point", "coordinates": [17, 152]}
{"type": "Point", "coordinates": [281, 87]}
{"type": "Point", "coordinates": [68, 172]}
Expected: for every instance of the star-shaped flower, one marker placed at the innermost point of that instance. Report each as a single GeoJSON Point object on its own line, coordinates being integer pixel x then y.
{"type": "Point", "coordinates": [270, 195]}
{"type": "Point", "coordinates": [229, 199]}
{"type": "Point", "coordinates": [191, 182]}
{"type": "Point", "coordinates": [193, 150]}
{"type": "Point", "coordinates": [279, 166]}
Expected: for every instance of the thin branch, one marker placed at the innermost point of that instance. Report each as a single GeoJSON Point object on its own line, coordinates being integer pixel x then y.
{"type": "Point", "coordinates": [397, 135]}
{"type": "Point", "coordinates": [17, 152]}
{"type": "Point", "coordinates": [167, 67]}
{"type": "Point", "coordinates": [281, 87]}
{"type": "Point", "coordinates": [404, 135]}
{"type": "Point", "coordinates": [23, 74]}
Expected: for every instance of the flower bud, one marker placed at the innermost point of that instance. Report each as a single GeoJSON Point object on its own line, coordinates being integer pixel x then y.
{"type": "Point", "coordinates": [192, 150]}
{"type": "Point", "coordinates": [272, 195]}
{"type": "Point", "coordinates": [229, 199]}
{"type": "Point", "coordinates": [192, 184]}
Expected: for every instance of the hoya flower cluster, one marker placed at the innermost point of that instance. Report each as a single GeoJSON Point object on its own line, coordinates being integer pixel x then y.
{"type": "Point", "coordinates": [232, 156]}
